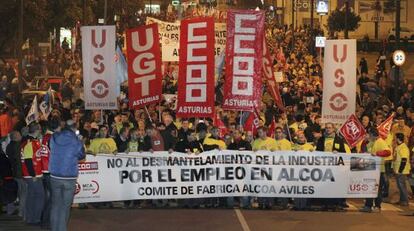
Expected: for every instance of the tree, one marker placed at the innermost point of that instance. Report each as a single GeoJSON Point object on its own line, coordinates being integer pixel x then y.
{"type": "Point", "coordinates": [126, 9]}
{"type": "Point", "coordinates": [389, 6]}
{"type": "Point", "coordinates": [336, 21]}
{"type": "Point", "coordinates": [34, 21]}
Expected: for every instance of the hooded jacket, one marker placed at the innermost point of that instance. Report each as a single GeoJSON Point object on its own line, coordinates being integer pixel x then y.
{"type": "Point", "coordinates": [65, 152]}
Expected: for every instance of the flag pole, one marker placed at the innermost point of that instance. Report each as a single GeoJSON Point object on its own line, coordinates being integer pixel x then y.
{"type": "Point", "coordinates": [102, 120]}
{"type": "Point", "coordinates": [159, 111]}
{"type": "Point", "coordinates": [241, 117]}
{"type": "Point", "coordinates": [146, 110]}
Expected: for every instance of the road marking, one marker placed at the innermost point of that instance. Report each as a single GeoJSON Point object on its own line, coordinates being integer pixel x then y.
{"type": "Point", "coordinates": [242, 221]}
{"type": "Point", "coordinates": [389, 207]}
{"type": "Point", "coordinates": [352, 207]}
{"type": "Point", "coordinates": [385, 207]}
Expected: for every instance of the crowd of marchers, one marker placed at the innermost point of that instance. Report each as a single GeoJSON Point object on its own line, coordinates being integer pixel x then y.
{"type": "Point", "coordinates": [38, 182]}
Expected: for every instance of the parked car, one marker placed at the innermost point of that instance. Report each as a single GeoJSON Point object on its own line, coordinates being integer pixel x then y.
{"type": "Point", "coordinates": [404, 33]}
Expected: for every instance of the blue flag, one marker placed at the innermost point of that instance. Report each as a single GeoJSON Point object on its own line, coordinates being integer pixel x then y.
{"type": "Point", "coordinates": [121, 69]}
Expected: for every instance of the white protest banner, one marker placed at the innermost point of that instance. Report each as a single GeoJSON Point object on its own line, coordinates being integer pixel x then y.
{"type": "Point", "coordinates": [169, 31]}
{"type": "Point", "coordinates": [170, 36]}
{"type": "Point", "coordinates": [161, 175]}
{"type": "Point", "coordinates": [169, 53]}
{"type": "Point", "coordinates": [98, 56]}
{"type": "Point", "coordinates": [220, 30]}
{"type": "Point", "coordinates": [339, 81]}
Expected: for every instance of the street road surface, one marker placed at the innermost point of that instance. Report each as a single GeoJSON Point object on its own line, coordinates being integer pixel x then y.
{"type": "Point", "coordinates": [391, 218]}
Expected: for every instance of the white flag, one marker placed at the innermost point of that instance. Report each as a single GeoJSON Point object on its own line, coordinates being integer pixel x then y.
{"type": "Point", "coordinates": [99, 76]}
{"type": "Point", "coordinates": [339, 81]}
{"type": "Point", "coordinates": [46, 104]}
{"type": "Point", "coordinates": [33, 114]}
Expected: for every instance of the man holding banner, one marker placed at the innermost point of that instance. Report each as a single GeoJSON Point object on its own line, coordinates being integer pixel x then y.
{"type": "Point", "coordinates": [263, 142]}
{"type": "Point", "coordinates": [377, 147]}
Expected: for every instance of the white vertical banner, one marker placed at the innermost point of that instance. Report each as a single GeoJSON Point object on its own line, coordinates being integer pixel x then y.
{"type": "Point", "coordinates": [98, 54]}
{"type": "Point", "coordinates": [339, 80]}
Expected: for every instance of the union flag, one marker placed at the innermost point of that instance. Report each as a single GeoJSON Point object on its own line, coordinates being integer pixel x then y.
{"type": "Point", "coordinates": [353, 131]}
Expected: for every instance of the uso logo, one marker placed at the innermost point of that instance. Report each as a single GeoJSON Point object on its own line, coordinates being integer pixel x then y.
{"type": "Point", "coordinates": [88, 166]}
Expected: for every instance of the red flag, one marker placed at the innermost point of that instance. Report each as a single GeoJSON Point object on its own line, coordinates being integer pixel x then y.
{"type": "Point", "coordinates": [244, 53]}
{"type": "Point", "coordinates": [385, 127]}
{"type": "Point", "coordinates": [272, 128]}
{"type": "Point", "coordinates": [272, 85]}
{"type": "Point", "coordinates": [352, 130]}
{"type": "Point", "coordinates": [144, 66]}
{"type": "Point", "coordinates": [252, 122]}
{"type": "Point", "coordinates": [196, 68]}
{"type": "Point", "coordinates": [220, 125]}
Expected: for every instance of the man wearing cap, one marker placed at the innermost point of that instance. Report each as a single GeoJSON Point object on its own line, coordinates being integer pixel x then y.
{"type": "Point", "coordinates": [377, 147]}
{"type": "Point", "coordinates": [67, 150]}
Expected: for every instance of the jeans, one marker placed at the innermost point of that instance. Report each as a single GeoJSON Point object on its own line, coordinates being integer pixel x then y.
{"type": "Point", "coordinates": [21, 194]}
{"type": "Point", "coordinates": [63, 191]}
{"type": "Point", "coordinates": [388, 173]}
{"type": "Point", "coordinates": [47, 206]}
{"type": "Point", "coordinates": [35, 200]}
{"type": "Point", "coordinates": [245, 202]}
{"type": "Point", "coordinates": [369, 202]}
{"type": "Point", "coordinates": [266, 202]}
{"type": "Point", "coordinates": [401, 183]}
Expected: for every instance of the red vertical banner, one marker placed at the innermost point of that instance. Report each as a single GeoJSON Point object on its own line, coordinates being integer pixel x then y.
{"type": "Point", "coordinates": [144, 66]}
{"type": "Point", "coordinates": [244, 53]}
{"type": "Point", "coordinates": [272, 85]}
{"type": "Point", "coordinates": [196, 68]}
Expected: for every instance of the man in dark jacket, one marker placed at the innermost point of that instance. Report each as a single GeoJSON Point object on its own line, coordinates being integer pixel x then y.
{"type": "Point", "coordinates": [66, 151]}
{"type": "Point", "coordinates": [122, 140]}
{"type": "Point", "coordinates": [13, 152]}
{"type": "Point", "coordinates": [190, 144]}
{"type": "Point", "coordinates": [239, 143]}
{"type": "Point", "coordinates": [331, 142]}
{"type": "Point", "coordinates": [184, 130]}
{"type": "Point", "coordinates": [8, 187]}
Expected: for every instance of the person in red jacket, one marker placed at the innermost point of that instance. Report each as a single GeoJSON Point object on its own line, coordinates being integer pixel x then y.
{"type": "Point", "coordinates": [5, 121]}
{"type": "Point", "coordinates": [32, 173]}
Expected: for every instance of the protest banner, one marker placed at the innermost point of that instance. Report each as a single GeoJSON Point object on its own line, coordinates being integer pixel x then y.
{"type": "Point", "coordinates": [219, 38]}
{"type": "Point", "coordinates": [244, 53]}
{"type": "Point", "coordinates": [196, 78]}
{"type": "Point", "coordinates": [268, 74]}
{"type": "Point", "coordinates": [169, 34]}
{"type": "Point", "coordinates": [352, 131]}
{"type": "Point", "coordinates": [144, 66]}
{"type": "Point", "coordinates": [99, 78]}
{"type": "Point", "coordinates": [339, 81]}
{"type": "Point", "coordinates": [163, 175]}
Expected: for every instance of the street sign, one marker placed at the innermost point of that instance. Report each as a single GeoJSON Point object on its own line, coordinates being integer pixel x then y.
{"type": "Point", "coordinates": [398, 57]}
{"type": "Point", "coordinates": [320, 41]}
{"type": "Point", "coordinates": [175, 2]}
{"type": "Point", "coordinates": [322, 7]}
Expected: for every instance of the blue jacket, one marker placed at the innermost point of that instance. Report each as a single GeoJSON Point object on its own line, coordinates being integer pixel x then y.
{"type": "Point", "coordinates": [65, 152]}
